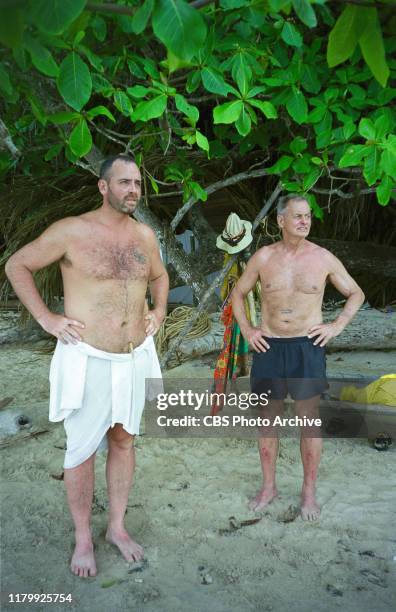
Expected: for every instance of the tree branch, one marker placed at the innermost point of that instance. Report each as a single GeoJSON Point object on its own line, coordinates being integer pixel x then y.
{"type": "Point", "coordinates": [6, 141]}
{"type": "Point", "coordinates": [219, 278]}
{"type": "Point", "coordinates": [342, 194]}
{"type": "Point", "coordinates": [232, 180]}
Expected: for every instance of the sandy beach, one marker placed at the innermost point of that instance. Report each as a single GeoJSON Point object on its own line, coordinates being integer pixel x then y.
{"type": "Point", "coordinates": [184, 494]}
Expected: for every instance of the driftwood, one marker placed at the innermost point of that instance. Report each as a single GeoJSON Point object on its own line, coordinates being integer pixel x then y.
{"type": "Point", "coordinates": [369, 330]}
{"type": "Point", "coordinates": [19, 437]}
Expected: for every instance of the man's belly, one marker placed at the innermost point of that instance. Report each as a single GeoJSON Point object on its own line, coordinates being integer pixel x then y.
{"type": "Point", "coordinates": [112, 314]}
{"type": "Point", "coordinates": [290, 319]}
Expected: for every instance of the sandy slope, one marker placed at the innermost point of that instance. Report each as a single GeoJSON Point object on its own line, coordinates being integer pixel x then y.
{"type": "Point", "coordinates": [184, 493]}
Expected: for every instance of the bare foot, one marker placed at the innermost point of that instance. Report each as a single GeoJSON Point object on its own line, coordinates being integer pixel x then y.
{"type": "Point", "coordinates": [310, 509]}
{"type": "Point", "coordinates": [130, 550]}
{"type": "Point", "coordinates": [83, 560]}
{"type": "Point", "coordinates": [263, 498]}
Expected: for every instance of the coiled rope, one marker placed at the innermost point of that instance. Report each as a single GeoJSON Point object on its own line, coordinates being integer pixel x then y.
{"type": "Point", "coordinates": [175, 322]}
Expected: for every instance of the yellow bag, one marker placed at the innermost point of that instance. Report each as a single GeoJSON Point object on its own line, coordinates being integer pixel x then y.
{"type": "Point", "coordinates": [381, 391]}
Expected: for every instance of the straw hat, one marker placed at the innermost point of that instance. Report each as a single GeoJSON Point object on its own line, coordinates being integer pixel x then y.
{"type": "Point", "coordinates": [236, 236]}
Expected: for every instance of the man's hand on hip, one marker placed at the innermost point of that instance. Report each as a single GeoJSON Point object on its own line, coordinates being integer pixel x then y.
{"type": "Point", "coordinates": [324, 332]}
{"type": "Point", "coordinates": [61, 327]}
{"type": "Point", "coordinates": [153, 321]}
{"type": "Point", "coordinates": [256, 340]}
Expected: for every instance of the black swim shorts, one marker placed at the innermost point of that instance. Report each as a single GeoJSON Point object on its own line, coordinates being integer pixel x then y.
{"type": "Point", "coordinates": [291, 365]}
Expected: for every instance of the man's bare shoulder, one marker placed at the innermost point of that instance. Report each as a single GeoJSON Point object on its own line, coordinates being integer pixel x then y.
{"type": "Point", "coordinates": [266, 251]}
{"type": "Point", "coordinates": [67, 226]}
{"type": "Point", "coordinates": [144, 231]}
{"type": "Point", "coordinates": [323, 254]}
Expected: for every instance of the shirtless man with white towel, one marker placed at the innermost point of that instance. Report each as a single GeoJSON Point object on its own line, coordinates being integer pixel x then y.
{"type": "Point", "coordinates": [105, 347]}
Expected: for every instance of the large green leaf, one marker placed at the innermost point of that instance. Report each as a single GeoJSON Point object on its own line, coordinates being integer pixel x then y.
{"type": "Point", "coordinates": [214, 82]}
{"type": "Point", "coordinates": [367, 129]}
{"type": "Point", "coordinates": [41, 58]}
{"type": "Point", "coordinates": [297, 106]}
{"type": "Point", "coordinates": [100, 110]}
{"type": "Point", "coordinates": [388, 162]}
{"type": "Point", "coordinates": [281, 165]}
{"type": "Point", "coordinates": [179, 26]}
{"type": "Point", "coordinates": [343, 37]}
{"type": "Point", "coordinates": [11, 26]}
{"type": "Point", "coordinates": [80, 140]}
{"type": "Point", "coordinates": [305, 12]}
{"type": "Point", "coordinates": [202, 141]}
{"type": "Point", "coordinates": [150, 109]}
{"type": "Point", "coordinates": [188, 109]}
{"type": "Point", "coordinates": [353, 155]}
{"type": "Point", "coordinates": [228, 112]}
{"type": "Point", "coordinates": [123, 103]}
{"type": "Point", "coordinates": [291, 35]}
{"type": "Point", "coordinates": [74, 81]}
{"type": "Point", "coordinates": [384, 190]}
{"type": "Point", "coordinates": [372, 170]}
{"type": "Point", "coordinates": [266, 107]}
{"type": "Point", "coordinates": [243, 124]}
{"type": "Point", "coordinates": [141, 17]}
{"type": "Point", "coordinates": [54, 16]}
{"type": "Point", "coordinates": [63, 117]}
{"type": "Point", "coordinates": [372, 46]}
{"type": "Point", "coordinates": [241, 72]}
{"type": "Point", "coordinates": [5, 84]}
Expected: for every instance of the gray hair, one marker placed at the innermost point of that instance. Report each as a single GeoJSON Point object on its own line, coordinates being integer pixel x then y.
{"type": "Point", "coordinates": [283, 202]}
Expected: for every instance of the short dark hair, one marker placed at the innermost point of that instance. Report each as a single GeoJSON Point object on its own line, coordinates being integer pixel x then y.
{"type": "Point", "coordinates": [284, 201]}
{"type": "Point", "coordinates": [107, 163]}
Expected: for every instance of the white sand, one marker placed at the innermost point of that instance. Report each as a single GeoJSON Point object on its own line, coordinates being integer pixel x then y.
{"type": "Point", "coordinates": [184, 493]}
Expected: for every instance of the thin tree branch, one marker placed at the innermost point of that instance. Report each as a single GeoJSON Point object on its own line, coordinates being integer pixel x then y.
{"type": "Point", "coordinates": [232, 180]}
{"type": "Point", "coordinates": [219, 278]}
{"type": "Point", "coordinates": [6, 141]}
{"type": "Point", "coordinates": [342, 194]}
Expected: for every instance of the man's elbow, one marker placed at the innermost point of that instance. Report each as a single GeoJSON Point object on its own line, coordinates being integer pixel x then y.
{"type": "Point", "coordinates": [362, 296]}
{"type": "Point", "coordinates": [10, 266]}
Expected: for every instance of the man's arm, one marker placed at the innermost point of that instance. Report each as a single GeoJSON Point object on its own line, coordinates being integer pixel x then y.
{"type": "Point", "coordinates": [45, 250]}
{"type": "Point", "coordinates": [159, 289]}
{"type": "Point", "coordinates": [345, 284]}
{"type": "Point", "coordinates": [247, 281]}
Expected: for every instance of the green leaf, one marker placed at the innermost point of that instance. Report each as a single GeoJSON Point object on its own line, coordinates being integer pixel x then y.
{"type": "Point", "coordinates": [228, 112]}
{"type": "Point", "coordinates": [179, 26]}
{"type": "Point", "coordinates": [372, 170]}
{"type": "Point", "coordinates": [316, 115]}
{"type": "Point", "coordinates": [317, 161]}
{"type": "Point", "coordinates": [5, 82]}
{"type": "Point", "coordinates": [150, 109]}
{"type": "Point", "coordinates": [202, 141]}
{"type": "Point", "coordinates": [266, 107]}
{"type": "Point", "coordinates": [384, 190]}
{"type": "Point", "coordinates": [214, 82]}
{"type": "Point", "coordinates": [99, 28]}
{"type": "Point", "coordinates": [305, 12]}
{"type": "Point", "coordinates": [41, 58]}
{"type": "Point", "coordinates": [198, 192]}
{"type": "Point", "coordinates": [123, 103]}
{"type": "Point", "coordinates": [255, 90]}
{"type": "Point", "coordinates": [353, 155]}
{"type": "Point", "coordinates": [316, 209]}
{"type": "Point", "coordinates": [141, 17]}
{"type": "Point", "coordinates": [74, 81]}
{"type": "Point", "coordinates": [343, 37]}
{"type": "Point", "coordinates": [11, 26]}
{"type": "Point", "coordinates": [53, 151]}
{"type": "Point", "coordinates": [382, 126]}
{"type": "Point", "coordinates": [80, 140]}
{"type": "Point", "coordinates": [310, 80]}
{"type": "Point", "coordinates": [100, 110]}
{"type": "Point", "coordinates": [54, 16]}
{"type": "Point", "coordinates": [138, 91]}
{"type": "Point", "coordinates": [63, 117]}
{"type": "Point", "coordinates": [243, 124]}
{"type": "Point", "coordinates": [298, 145]}
{"type": "Point", "coordinates": [281, 165]}
{"type": "Point", "coordinates": [296, 106]}
{"type": "Point", "coordinates": [291, 35]}
{"type": "Point", "coordinates": [278, 5]}
{"type": "Point", "coordinates": [367, 129]}
{"type": "Point", "coordinates": [188, 109]}
{"type": "Point", "coordinates": [241, 72]}
{"type": "Point", "coordinates": [154, 184]}
{"type": "Point", "coordinates": [372, 46]}
{"type": "Point", "coordinates": [388, 162]}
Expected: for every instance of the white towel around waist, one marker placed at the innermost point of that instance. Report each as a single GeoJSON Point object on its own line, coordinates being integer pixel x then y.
{"type": "Point", "coordinates": [129, 374]}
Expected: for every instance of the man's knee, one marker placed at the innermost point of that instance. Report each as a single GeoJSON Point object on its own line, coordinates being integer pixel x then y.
{"type": "Point", "coordinates": [120, 439]}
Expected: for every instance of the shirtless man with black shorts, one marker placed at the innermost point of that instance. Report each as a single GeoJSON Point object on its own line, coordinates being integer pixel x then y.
{"type": "Point", "coordinates": [289, 345]}
{"type": "Point", "coordinates": [105, 347]}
